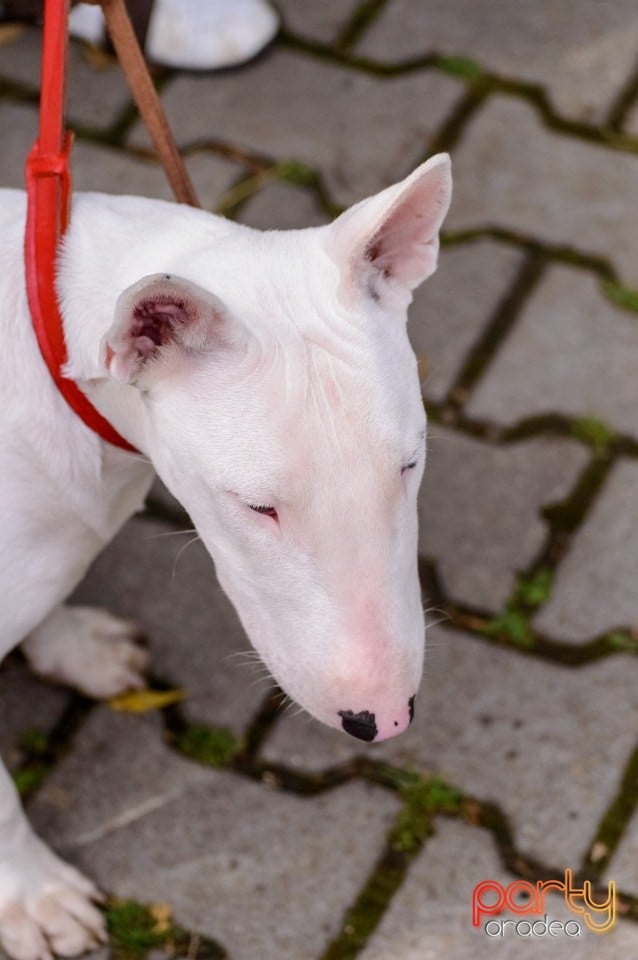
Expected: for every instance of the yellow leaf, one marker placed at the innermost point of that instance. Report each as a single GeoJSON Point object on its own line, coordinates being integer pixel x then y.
{"type": "Point", "coordinates": [143, 701]}
{"type": "Point", "coordinates": [162, 914]}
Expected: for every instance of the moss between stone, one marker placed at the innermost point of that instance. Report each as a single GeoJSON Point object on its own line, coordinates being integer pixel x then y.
{"type": "Point", "coordinates": [35, 747]}
{"type": "Point", "coordinates": [616, 819]}
{"type": "Point", "coordinates": [28, 779]}
{"type": "Point", "coordinates": [462, 67]}
{"type": "Point", "coordinates": [621, 641]}
{"type": "Point", "coordinates": [512, 626]}
{"type": "Point", "coordinates": [424, 798]}
{"type": "Point", "coordinates": [135, 929]}
{"type": "Point", "coordinates": [35, 742]}
{"type": "Point", "coordinates": [595, 433]}
{"type": "Point", "coordinates": [534, 590]}
{"type": "Point", "coordinates": [364, 916]}
{"type": "Point", "coordinates": [211, 746]}
{"type": "Point", "coordinates": [621, 296]}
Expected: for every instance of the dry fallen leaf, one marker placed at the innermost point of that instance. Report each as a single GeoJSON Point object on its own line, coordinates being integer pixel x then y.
{"type": "Point", "coordinates": [143, 701]}
{"type": "Point", "coordinates": [10, 31]}
{"type": "Point", "coordinates": [162, 914]}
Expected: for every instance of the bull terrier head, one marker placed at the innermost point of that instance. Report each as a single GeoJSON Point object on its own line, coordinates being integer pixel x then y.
{"type": "Point", "coordinates": [282, 407]}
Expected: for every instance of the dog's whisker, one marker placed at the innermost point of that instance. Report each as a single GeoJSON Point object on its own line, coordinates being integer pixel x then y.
{"type": "Point", "coordinates": [266, 681]}
{"type": "Point", "coordinates": [246, 655]}
{"type": "Point", "coordinates": [170, 533]}
{"type": "Point", "coordinates": [433, 609]}
{"type": "Point", "coordinates": [180, 554]}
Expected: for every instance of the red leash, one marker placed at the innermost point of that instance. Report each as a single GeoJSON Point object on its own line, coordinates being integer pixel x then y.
{"type": "Point", "coordinates": [48, 183]}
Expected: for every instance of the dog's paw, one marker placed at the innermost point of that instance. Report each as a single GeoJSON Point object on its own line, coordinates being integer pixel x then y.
{"type": "Point", "coordinates": [89, 649]}
{"type": "Point", "coordinates": [47, 906]}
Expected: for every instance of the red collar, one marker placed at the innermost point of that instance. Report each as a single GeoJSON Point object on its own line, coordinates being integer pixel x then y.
{"type": "Point", "coordinates": [48, 184]}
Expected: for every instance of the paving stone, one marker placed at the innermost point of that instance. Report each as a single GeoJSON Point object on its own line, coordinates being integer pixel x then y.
{"type": "Point", "coordinates": [106, 169]}
{"type": "Point", "coordinates": [320, 21]}
{"type": "Point", "coordinates": [109, 170]}
{"type": "Point", "coordinates": [267, 874]}
{"type": "Point", "coordinates": [169, 507]}
{"type": "Point", "coordinates": [283, 206]}
{"type": "Point", "coordinates": [595, 587]}
{"type": "Point", "coordinates": [450, 311]}
{"type": "Point", "coordinates": [96, 95]}
{"type": "Point", "coordinates": [507, 728]}
{"type": "Point", "coordinates": [479, 509]}
{"type": "Point", "coordinates": [167, 582]}
{"type": "Point", "coordinates": [212, 176]}
{"type": "Point", "coordinates": [362, 132]}
{"type": "Point", "coordinates": [571, 352]}
{"type": "Point", "coordinates": [118, 770]}
{"type": "Point", "coordinates": [271, 874]}
{"type": "Point", "coordinates": [430, 916]}
{"type": "Point", "coordinates": [583, 62]}
{"type": "Point", "coordinates": [26, 703]}
{"type": "Point", "coordinates": [510, 171]}
{"type": "Point", "coordinates": [19, 126]}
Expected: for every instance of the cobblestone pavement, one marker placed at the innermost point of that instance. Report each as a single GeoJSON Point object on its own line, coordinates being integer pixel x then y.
{"type": "Point", "coordinates": [267, 835]}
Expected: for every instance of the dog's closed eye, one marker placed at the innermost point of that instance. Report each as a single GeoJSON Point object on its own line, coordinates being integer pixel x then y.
{"type": "Point", "coordinates": [265, 510]}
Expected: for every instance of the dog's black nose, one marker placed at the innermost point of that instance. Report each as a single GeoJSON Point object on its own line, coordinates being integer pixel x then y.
{"type": "Point", "coordinates": [361, 725]}
{"type": "Point", "coordinates": [411, 708]}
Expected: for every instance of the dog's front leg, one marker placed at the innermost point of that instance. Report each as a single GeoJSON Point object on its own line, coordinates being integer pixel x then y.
{"type": "Point", "coordinates": [45, 904]}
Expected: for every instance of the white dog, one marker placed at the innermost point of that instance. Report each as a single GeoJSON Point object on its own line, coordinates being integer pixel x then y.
{"type": "Point", "coordinates": [269, 380]}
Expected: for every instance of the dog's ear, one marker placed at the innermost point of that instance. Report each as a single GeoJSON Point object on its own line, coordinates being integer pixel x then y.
{"type": "Point", "coordinates": [392, 239]}
{"type": "Point", "coordinates": [156, 316]}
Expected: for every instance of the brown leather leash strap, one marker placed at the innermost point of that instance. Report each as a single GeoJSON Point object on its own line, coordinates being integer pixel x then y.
{"type": "Point", "coordinates": [148, 103]}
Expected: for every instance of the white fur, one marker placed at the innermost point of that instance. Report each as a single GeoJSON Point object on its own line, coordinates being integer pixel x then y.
{"type": "Point", "coordinates": [264, 369]}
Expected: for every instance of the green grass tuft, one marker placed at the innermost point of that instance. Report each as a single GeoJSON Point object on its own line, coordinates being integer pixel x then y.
{"type": "Point", "coordinates": [621, 640]}
{"type": "Point", "coordinates": [212, 746]}
{"type": "Point", "coordinates": [461, 67]}
{"type": "Point", "coordinates": [622, 296]}
{"type": "Point", "coordinates": [29, 779]}
{"type": "Point", "coordinates": [593, 432]}
{"type": "Point", "coordinates": [534, 591]}
{"type": "Point", "coordinates": [424, 797]}
{"type": "Point", "coordinates": [133, 929]}
{"type": "Point", "coordinates": [511, 625]}
{"type": "Point", "coordinates": [295, 172]}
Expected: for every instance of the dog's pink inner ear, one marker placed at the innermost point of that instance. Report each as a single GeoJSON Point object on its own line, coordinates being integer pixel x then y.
{"type": "Point", "coordinates": [406, 243]}
{"type": "Point", "coordinates": [406, 247]}
{"type": "Point", "coordinates": [397, 231]}
{"type": "Point", "coordinates": [155, 321]}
